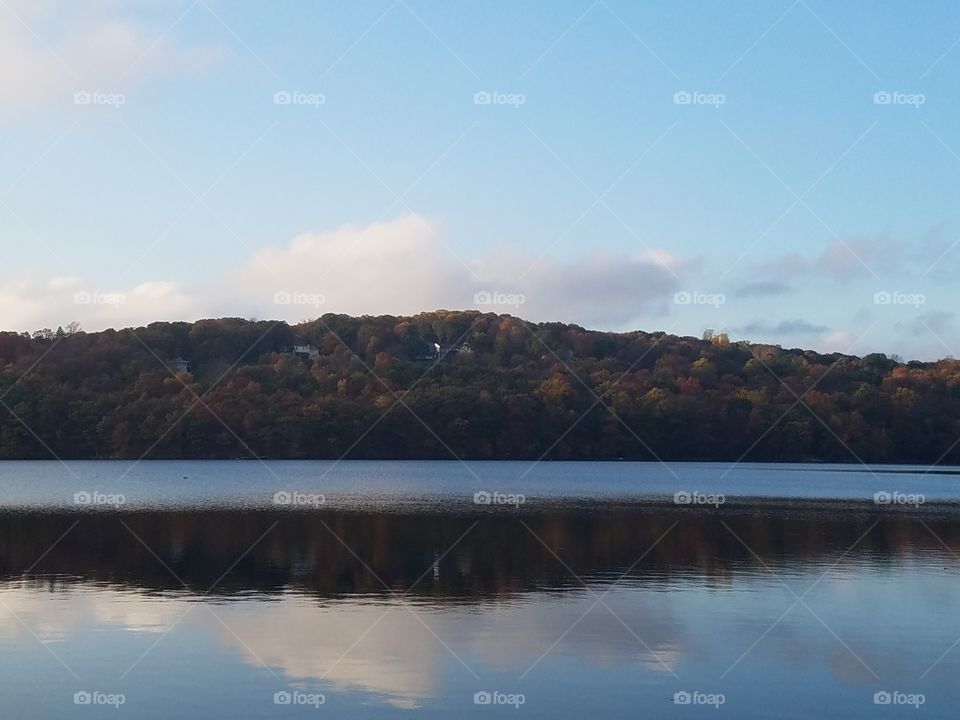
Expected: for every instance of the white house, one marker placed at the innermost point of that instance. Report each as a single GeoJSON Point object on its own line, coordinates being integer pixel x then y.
{"type": "Point", "coordinates": [179, 365]}
{"type": "Point", "coordinates": [430, 352]}
{"type": "Point", "coordinates": [435, 351]}
{"type": "Point", "coordinates": [310, 352]}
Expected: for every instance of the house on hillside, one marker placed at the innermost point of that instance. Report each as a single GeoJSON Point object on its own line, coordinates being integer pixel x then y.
{"type": "Point", "coordinates": [308, 352]}
{"type": "Point", "coordinates": [435, 351]}
{"type": "Point", "coordinates": [454, 349]}
{"type": "Point", "coordinates": [430, 352]}
{"type": "Point", "coordinates": [179, 365]}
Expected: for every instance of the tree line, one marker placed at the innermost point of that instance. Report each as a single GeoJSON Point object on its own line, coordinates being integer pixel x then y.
{"type": "Point", "coordinates": [500, 387]}
{"type": "Point", "coordinates": [283, 550]}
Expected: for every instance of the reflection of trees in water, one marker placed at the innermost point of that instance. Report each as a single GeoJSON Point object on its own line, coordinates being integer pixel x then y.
{"type": "Point", "coordinates": [501, 554]}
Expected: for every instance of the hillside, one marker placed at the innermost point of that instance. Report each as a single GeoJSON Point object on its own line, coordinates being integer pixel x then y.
{"type": "Point", "coordinates": [498, 387]}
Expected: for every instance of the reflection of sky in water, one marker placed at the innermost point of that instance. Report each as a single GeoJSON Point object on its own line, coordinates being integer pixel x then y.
{"type": "Point", "coordinates": [378, 657]}
{"type": "Point", "coordinates": [304, 609]}
{"type": "Point", "coordinates": [366, 485]}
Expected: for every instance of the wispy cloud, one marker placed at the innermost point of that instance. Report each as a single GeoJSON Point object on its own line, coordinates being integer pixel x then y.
{"type": "Point", "coordinates": [937, 322]}
{"type": "Point", "coordinates": [794, 326]}
{"type": "Point", "coordinates": [761, 288]}
{"type": "Point", "coordinates": [51, 49]}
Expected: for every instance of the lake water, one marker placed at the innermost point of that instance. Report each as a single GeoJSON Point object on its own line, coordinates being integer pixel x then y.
{"type": "Point", "coordinates": [601, 590]}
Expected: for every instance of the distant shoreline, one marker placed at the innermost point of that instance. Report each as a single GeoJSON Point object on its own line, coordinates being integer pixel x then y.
{"type": "Point", "coordinates": [462, 385]}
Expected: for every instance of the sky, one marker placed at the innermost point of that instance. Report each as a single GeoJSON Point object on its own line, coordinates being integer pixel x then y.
{"type": "Point", "coordinates": [785, 171]}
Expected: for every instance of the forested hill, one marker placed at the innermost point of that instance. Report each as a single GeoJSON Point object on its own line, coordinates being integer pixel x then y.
{"type": "Point", "coordinates": [460, 384]}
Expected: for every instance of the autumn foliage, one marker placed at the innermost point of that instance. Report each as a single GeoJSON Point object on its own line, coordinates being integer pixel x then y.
{"type": "Point", "coordinates": [501, 388]}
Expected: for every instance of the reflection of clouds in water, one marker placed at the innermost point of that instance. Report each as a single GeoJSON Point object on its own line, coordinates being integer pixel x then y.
{"type": "Point", "coordinates": [55, 616]}
{"type": "Point", "coordinates": [804, 645]}
{"type": "Point", "coordinates": [139, 613]}
{"type": "Point", "coordinates": [398, 658]}
{"type": "Point", "coordinates": [49, 616]}
{"type": "Point", "coordinates": [516, 634]}
{"type": "Point", "coordinates": [873, 624]}
{"type": "Point", "coordinates": [898, 628]}
{"type": "Point", "coordinates": [352, 647]}
{"type": "Point", "coordinates": [355, 647]}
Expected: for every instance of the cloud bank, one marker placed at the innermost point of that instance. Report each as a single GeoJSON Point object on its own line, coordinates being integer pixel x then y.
{"type": "Point", "coordinates": [401, 266]}
{"type": "Point", "coordinates": [406, 265]}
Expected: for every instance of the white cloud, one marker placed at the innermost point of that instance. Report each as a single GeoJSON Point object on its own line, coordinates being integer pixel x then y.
{"type": "Point", "coordinates": [50, 49]}
{"type": "Point", "coordinates": [601, 288]}
{"type": "Point", "coordinates": [30, 304]}
{"type": "Point", "coordinates": [935, 324]}
{"type": "Point", "coordinates": [842, 259]}
{"type": "Point", "coordinates": [399, 267]}
{"type": "Point", "coordinates": [405, 266]}
{"type": "Point", "coordinates": [794, 326]}
{"type": "Point", "coordinates": [841, 341]}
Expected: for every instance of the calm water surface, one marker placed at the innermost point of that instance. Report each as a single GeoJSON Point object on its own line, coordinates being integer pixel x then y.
{"type": "Point", "coordinates": [382, 590]}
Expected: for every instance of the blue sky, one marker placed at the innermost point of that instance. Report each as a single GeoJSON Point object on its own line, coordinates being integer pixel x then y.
{"type": "Point", "coordinates": [804, 196]}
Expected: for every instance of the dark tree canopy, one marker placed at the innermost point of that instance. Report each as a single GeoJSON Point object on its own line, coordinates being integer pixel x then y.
{"type": "Point", "coordinates": [499, 387]}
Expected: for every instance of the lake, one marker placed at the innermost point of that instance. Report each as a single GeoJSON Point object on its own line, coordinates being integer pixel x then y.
{"type": "Point", "coordinates": [492, 589]}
